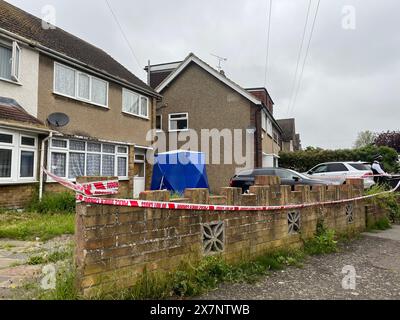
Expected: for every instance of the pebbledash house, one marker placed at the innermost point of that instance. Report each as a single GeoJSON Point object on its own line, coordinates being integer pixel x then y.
{"type": "Point", "coordinates": [45, 71]}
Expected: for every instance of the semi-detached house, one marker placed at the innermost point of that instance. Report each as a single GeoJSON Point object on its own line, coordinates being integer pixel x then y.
{"type": "Point", "coordinates": [110, 110]}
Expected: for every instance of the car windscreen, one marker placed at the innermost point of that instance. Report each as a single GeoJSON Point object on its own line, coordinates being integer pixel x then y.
{"type": "Point", "coordinates": [360, 166]}
{"type": "Point", "coordinates": [246, 173]}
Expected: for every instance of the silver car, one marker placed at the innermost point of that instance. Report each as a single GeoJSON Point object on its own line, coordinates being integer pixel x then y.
{"type": "Point", "coordinates": [338, 172]}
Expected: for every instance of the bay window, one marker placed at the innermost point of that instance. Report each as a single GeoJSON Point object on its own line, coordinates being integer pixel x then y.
{"type": "Point", "coordinates": [81, 86]}
{"type": "Point", "coordinates": [135, 104]}
{"type": "Point", "coordinates": [74, 158]}
{"type": "Point", "coordinates": [18, 152]}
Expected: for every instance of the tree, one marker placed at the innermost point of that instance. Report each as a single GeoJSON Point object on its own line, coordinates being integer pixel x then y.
{"type": "Point", "coordinates": [390, 139]}
{"type": "Point", "coordinates": [364, 139]}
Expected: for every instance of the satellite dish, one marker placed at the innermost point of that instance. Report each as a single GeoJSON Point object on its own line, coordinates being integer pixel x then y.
{"type": "Point", "coordinates": [58, 119]}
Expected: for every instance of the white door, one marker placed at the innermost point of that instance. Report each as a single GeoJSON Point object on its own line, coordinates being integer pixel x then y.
{"type": "Point", "coordinates": [139, 180]}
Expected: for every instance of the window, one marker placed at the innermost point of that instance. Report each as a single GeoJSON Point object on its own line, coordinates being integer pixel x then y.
{"type": "Point", "coordinates": [178, 122]}
{"type": "Point", "coordinates": [336, 167]}
{"type": "Point", "coordinates": [264, 121]}
{"type": "Point", "coordinates": [360, 166]}
{"type": "Point", "coordinates": [5, 163]}
{"type": "Point", "coordinates": [10, 61]}
{"type": "Point", "coordinates": [269, 127]}
{"type": "Point", "coordinates": [275, 134]}
{"type": "Point", "coordinates": [135, 104]}
{"type": "Point", "coordinates": [159, 122]}
{"type": "Point", "coordinates": [81, 86]}
{"type": "Point", "coordinates": [320, 169]}
{"type": "Point", "coordinates": [17, 157]}
{"type": "Point", "coordinates": [84, 86]}
{"type": "Point", "coordinates": [73, 158]}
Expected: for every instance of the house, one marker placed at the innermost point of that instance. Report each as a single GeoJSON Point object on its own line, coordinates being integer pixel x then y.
{"type": "Point", "coordinates": [110, 110]}
{"type": "Point", "coordinates": [198, 97]}
{"type": "Point", "coordinates": [290, 139]}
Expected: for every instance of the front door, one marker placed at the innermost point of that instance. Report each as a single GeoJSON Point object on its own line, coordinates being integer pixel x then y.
{"type": "Point", "coordinates": [139, 179]}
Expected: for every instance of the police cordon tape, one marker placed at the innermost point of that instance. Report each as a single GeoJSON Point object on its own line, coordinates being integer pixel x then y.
{"type": "Point", "coordinates": [205, 207]}
{"type": "Point", "coordinates": [99, 188]}
{"type": "Point", "coordinates": [82, 195]}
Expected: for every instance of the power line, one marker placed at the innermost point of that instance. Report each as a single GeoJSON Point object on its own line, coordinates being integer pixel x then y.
{"type": "Point", "coordinates": [123, 33]}
{"type": "Point", "coordinates": [306, 56]}
{"type": "Point", "coordinates": [299, 57]}
{"type": "Point", "coordinates": [268, 40]}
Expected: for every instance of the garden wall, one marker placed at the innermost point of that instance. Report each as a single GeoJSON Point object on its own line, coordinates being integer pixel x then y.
{"type": "Point", "coordinates": [114, 244]}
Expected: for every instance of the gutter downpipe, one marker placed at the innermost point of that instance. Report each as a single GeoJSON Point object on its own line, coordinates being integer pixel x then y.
{"type": "Point", "coordinates": [41, 181]}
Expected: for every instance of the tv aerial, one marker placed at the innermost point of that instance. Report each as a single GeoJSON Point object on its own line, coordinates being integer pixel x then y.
{"type": "Point", "coordinates": [58, 119]}
{"type": "Point", "coordinates": [220, 60]}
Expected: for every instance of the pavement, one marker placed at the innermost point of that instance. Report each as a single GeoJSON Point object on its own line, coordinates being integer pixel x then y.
{"type": "Point", "coordinates": [373, 260]}
{"type": "Point", "coordinates": [15, 271]}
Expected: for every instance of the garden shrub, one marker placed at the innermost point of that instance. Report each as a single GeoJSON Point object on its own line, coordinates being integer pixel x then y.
{"type": "Point", "coordinates": [62, 202]}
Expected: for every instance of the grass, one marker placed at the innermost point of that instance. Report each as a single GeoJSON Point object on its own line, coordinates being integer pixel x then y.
{"type": "Point", "coordinates": [29, 226]}
{"type": "Point", "coordinates": [187, 280]}
{"type": "Point", "coordinates": [381, 224]}
{"type": "Point", "coordinates": [388, 202]}
{"type": "Point", "coordinates": [60, 202]}
{"type": "Point", "coordinates": [51, 257]}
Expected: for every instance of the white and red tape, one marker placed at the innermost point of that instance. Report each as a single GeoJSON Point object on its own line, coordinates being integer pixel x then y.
{"type": "Point", "coordinates": [85, 193]}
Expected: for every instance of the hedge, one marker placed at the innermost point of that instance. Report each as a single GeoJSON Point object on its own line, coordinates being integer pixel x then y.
{"type": "Point", "coordinates": [303, 161]}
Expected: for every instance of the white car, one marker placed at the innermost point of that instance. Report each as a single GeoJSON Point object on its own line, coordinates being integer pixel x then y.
{"type": "Point", "coordinates": [338, 172]}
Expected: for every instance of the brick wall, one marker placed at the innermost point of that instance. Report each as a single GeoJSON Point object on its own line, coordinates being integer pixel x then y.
{"type": "Point", "coordinates": [114, 244]}
{"type": "Point", "coordinates": [17, 196]}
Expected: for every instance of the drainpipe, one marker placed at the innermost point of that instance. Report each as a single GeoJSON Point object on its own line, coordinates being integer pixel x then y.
{"type": "Point", "coordinates": [41, 181]}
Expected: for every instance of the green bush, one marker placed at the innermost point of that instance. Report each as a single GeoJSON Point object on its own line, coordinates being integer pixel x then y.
{"type": "Point", "coordinates": [389, 202]}
{"type": "Point", "coordinates": [62, 202]}
{"type": "Point", "coordinates": [303, 161]}
{"type": "Point", "coordinates": [323, 242]}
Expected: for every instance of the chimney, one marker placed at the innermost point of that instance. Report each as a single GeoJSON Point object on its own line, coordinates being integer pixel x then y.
{"type": "Point", "coordinates": [157, 73]}
{"type": "Point", "coordinates": [262, 95]}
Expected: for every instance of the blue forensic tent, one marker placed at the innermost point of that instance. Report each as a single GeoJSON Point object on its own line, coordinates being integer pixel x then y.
{"type": "Point", "coordinates": [179, 170]}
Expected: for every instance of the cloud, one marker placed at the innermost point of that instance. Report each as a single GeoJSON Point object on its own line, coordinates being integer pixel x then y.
{"type": "Point", "coordinates": [350, 81]}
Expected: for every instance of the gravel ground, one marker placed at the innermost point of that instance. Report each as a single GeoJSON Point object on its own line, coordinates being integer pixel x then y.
{"type": "Point", "coordinates": [375, 257]}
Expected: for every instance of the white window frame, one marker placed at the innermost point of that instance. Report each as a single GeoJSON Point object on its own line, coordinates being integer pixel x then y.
{"type": "Point", "coordinates": [15, 65]}
{"type": "Point", "coordinates": [68, 150]}
{"type": "Point", "coordinates": [269, 127]}
{"type": "Point", "coordinates": [16, 148]}
{"type": "Point", "coordinates": [28, 149]}
{"type": "Point", "coordinates": [76, 96]}
{"type": "Point", "coordinates": [175, 114]}
{"type": "Point", "coordinates": [264, 121]}
{"type": "Point", "coordinates": [139, 115]}
{"type": "Point", "coordinates": [161, 123]}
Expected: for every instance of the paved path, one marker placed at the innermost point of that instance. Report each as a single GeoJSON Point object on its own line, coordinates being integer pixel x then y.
{"type": "Point", "coordinates": [14, 255]}
{"type": "Point", "coordinates": [375, 257]}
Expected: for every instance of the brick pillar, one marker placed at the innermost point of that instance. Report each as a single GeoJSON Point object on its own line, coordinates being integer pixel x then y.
{"type": "Point", "coordinates": [232, 196]}
{"type": "Point", "coordinates": [199, 196]}
{"type": "Point", "coordinates": [159, 195]}
{"type": "Point", "coordinates": [267, 180]}
{"type": "Point", "coordinates": [262, 193]}
{"type": "Point", "coordinates": [305, 191]}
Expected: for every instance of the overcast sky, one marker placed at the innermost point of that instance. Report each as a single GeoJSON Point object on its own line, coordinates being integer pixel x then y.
{"type": "Point", "coordinates": [351, 78]}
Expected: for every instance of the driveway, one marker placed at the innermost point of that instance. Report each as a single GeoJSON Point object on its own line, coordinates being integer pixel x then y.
{"type": "Point", "coordinates": [375, 258]}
